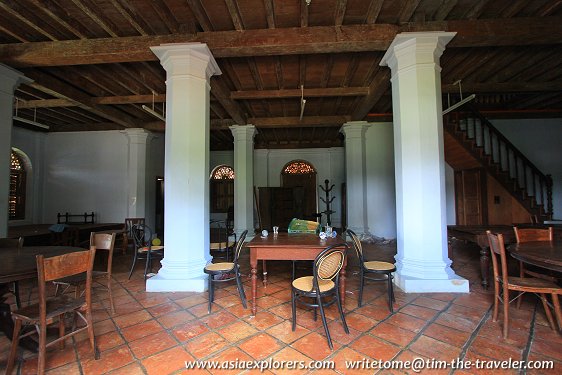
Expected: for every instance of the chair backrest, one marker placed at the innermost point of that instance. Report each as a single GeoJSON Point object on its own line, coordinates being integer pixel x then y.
{"type": "Point", "coordinates": [104, 242]}
{"type": "Point", "coordinates": [57, 267]}
{"type": "Point", "coordinates": [11, 242]}
{"type": "Point", "coordinates": [357, 246]}
{"type": "Point", "coordinates": [142, 235]}
{"type": "Point", "coordinates": [497, 248]}
{"type": "Point", "coordinates": [239, 246]}
{"type": "Point", "coordinates": [130, 222]}
{"type": "Point", "coordinates": [533, 234]}
{"type": "Point", "coordinates": [329, 262]}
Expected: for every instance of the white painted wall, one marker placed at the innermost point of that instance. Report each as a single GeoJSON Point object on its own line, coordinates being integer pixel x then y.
{"type": "Point", "coordinates": [86, 171]}
{"type": "Point", "coordinates": [539, 140]}
{"type": "Point", "coordinates": [381, 194]}
{"type": "Point", "coordinates": [155, 168]}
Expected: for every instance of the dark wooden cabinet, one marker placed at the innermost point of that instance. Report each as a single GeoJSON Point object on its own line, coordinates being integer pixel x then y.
{"type": "Point", "coordinates": [470, 197]}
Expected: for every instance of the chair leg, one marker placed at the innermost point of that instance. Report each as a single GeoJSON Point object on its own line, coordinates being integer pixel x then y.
{"type": "Point", "coordinates": [390, 292]}
{"type": "Point", "coordinates": [210, 288]}
{"type": "Point", "coordinates": [557, 312]}
{"type": "Point", "coordinates": [240, 289]}
{"type": "Point", "coordinates": [17, 294]}
{"type": "Point", "coordinates": [505, 312]}
{"type": "Point", "coordinates": [294, 308]}
{"type": "Point", "coordinates": [496, 301]}
{"type": "Point", "coordinates": [361, 284]}
{"type": "Point", "coordinates": [90, 322]}
{"type": "Point", "coordinates": [521, 274]}
{"type": "Point", "coordinates": [340, 309]}
{"type": "Point", "coordinates": [548, 312]}
{"type": "Point", "coordinates": [134, 262]}
{"type": "Point", "coordinates": [111, 303]}
{"type": "Point", "coordinates": [147, 264]}
{"type": "Point", "coordinates": [324, 323]}
{"type": "Point", "coordinates": [42, 350]}
{"type": "Point", "coordinates": [14, 348]}
{"type": "Point", "coordinates": [61, 331]}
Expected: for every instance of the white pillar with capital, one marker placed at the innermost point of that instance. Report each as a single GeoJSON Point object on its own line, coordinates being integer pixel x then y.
{"type": "Point", "coordinates": [244, 178]}
{"type": "Point", "coordinates": [10, 79]}
{"type": "Point", "coordinates": [422, 261]}
{"type": "Point", "coordinates": [189, 67]}
{"type": "Point", "coordinates": [136, 169]}
{"type": "Point", "coordinates": [355, 177]}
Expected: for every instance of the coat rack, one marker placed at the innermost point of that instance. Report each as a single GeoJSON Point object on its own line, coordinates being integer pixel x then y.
{"type": "Point", "coordinates": [328, 201]}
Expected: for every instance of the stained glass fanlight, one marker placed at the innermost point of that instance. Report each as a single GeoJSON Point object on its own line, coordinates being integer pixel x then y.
{"type": "Point", "coordinates": [299, 167]}
{"type": "Point", "coordinates": [223, 172]}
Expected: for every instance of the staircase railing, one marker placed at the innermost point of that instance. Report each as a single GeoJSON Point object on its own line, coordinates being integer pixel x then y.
{"type": "Point", "coordinates": [529, 182]}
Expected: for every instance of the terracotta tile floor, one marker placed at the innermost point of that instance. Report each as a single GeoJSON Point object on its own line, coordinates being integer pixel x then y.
{"type": "Point", "coordinates": [154, 333]}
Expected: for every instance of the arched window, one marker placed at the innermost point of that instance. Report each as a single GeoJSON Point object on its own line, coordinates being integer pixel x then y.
{"type": "Point", "coordinates": [16, 203]}
{"type": "Point", "coordinates": [222, 188]}
{"type": "Point", "coordinates": [298, 167]}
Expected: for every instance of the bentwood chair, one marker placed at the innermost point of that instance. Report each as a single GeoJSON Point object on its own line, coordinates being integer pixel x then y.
{"type": "Point", "coordinates": [52, 310]}
{"type": "Point", "coordinates": [103, 242]}
{"type": "Point", "coordinates": [503, 284]}
{"type": "Point", "coordinates": [372, 267]}
{"type": "Point", "coordinates": [13, 242]}
{"type": "Point", "coordinates": [128, 228]}
{"type": "Point", "coordinates": [227, 271]}
{"type": "Point", "coordinates": [322, 287]}
{"type": "Point", "coordinates": [144, 249]}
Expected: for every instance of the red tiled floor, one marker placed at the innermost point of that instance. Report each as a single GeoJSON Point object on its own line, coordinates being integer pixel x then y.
{"type": "Point", "coordinates": [155, 333]}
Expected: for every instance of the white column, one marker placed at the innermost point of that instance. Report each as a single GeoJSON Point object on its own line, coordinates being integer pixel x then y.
{"type": "Point", "coordinates": [189, 68]}
{"type": "Point", "coordinates": [355, 177]}
{"type": "Point", "coordinates": [244, 178]}
{"type": "Point", "coordinates": [136, 169]}
{"type": "Point", "coordinates": [9, 81]}
{"type": "Point", "coordinates": [422, 262]}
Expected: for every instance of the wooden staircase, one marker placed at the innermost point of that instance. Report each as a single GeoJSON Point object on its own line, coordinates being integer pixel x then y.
{"type": "Point", "coordinates": [473, 142]}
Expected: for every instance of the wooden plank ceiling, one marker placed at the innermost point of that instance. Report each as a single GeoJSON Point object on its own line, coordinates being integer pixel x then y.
{"type": "Point", "coordinates": [93, 69]}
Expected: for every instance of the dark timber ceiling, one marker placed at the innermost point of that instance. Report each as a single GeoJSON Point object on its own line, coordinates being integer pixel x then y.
{"type": "Point", "coordinates": [93, 69]}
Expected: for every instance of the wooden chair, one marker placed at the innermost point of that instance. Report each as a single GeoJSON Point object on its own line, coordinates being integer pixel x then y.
{"type": "Point", "coordinates": [50, 310]}
{"type": "Point", "coordinates": [103, 242]}
{"type": "Point", "coordinates": [128, 228]}
{"type": "Point", "coordinates": [529, 235]}
{"type": "Point", "coordinates": [503, 284]}
{"type": "Point", "coordinates": [322, 286]}
{"type": "Point", "coordinates": [144, 249]}
{"type": "Point", "coordinates": [226, 271]}
{"type": "Point", "coordinates": [372, 267]}
{"type": "Point", "coordinates": [13, 242]}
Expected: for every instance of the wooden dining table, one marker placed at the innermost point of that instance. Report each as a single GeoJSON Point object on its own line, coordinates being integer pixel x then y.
{"type": "Point", "coordinates": [289, 246]}
{"type": "Point", "coordinates": [545, 254]}
{"type": "Point", "coordinates": [18, 264]}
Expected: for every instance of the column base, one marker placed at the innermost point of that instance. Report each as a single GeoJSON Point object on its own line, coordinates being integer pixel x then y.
{"type": "Point", "coordinates": [160, 283]}
{"type": "Point", "coordinates": [453, 284]}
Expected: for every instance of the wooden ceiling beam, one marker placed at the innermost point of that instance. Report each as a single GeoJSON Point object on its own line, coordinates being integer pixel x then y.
{"type": "Point", "coordinates": [296, 93]}
{"type": "Point", "coordinates": [290, 41]}
{"type": "Point", "coordinates": [339, 12]}
{"type": "Point", "coordinates": [58, 89]}
{"type": "Point", "coordinates": [310, 121]}
{"type": "Point", "coordinates": [222, 94]}
{"type": "Point", "coordinates": [129, 99]}
{"type": "Point", "coordinates": [269, 13]}
{"type": "Point", "coordinates": [373, 12]}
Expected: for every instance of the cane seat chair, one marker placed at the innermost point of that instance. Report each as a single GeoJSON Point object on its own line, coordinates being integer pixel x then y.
{"type": "Point", "coordinates": [322, 287]}
{"type": "Point", "coordinates": [372, 267]}
{"type": "Point", "coordinates": [503, 284]}
{"type": "Point", "coordinates": [227, 271]}
{"type": "Point", "coordinates": [52, 310]}
{"type": "Point", "coordinates": [13, 242]}
{"type": "Point", "coordinates": [104, 243]}
{"type": "Point", "coordinates": [128, 228]}
{"type": "Point", "coordinates": [144, 249]}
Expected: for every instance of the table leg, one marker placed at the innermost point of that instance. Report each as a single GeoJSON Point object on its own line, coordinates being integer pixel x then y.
{"type": "Point", "coordinates": [264, 270]}
{"type": "Point", "coordinates": [254, 272]}
{"type": "Point", "coordinates": [484, 266]}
